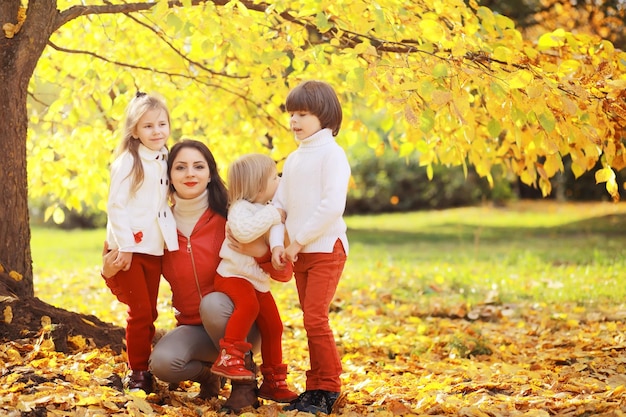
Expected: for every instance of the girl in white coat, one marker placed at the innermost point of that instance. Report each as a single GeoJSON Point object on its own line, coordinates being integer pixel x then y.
{"type": "Point", "coordinates": [140, 225]}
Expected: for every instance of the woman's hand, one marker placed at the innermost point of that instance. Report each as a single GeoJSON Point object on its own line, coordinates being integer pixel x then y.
{"type": "Point", "coordinates": [256, 248]}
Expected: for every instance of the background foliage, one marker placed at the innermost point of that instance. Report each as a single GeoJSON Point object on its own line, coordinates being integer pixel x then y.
{"type": "Point", "coordinates": [435, 82]}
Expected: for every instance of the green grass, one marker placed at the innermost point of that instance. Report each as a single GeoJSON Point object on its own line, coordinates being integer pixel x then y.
{"type": "Point", "coordinates": [539, 252]}
{"type": "Point", "coordinates": [58, 250]}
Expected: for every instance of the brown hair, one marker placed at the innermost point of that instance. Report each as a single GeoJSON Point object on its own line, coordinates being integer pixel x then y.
{"type": "Point", "coordinates": [248, 175]}
{"type": "Point", "coordinates": [218, 196]}
{"type": "Point", "coordinates": [318, 98]}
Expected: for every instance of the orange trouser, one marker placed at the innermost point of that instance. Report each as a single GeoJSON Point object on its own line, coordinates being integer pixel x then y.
{"type": "Point", "coordinates": [317, 276]}
{"type": "Point", "coordinates": [138, 288]}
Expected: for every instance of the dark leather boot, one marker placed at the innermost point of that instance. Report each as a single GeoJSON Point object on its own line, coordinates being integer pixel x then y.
{"type": "Point", "coordinates": [140, 380]}
{"type": "Point", "coordinates": [243, 393]}
{"type": "Point", "coordinates": [210, 383]}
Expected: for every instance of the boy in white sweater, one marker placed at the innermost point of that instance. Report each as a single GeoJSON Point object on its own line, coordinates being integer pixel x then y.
{"type": "Point", "coordinates": [312, 193]}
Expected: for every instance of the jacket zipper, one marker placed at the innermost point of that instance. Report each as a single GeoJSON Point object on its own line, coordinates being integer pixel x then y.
{"type": "Point", "coordinates": [193, 265]}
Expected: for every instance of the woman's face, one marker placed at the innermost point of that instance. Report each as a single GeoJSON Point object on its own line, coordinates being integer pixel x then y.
{"type": "Point", "coordinates": [190, 174]}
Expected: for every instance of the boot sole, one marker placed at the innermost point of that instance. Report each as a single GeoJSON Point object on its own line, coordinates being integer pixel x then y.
{"type": "Point", "coordinates": [234, 378]}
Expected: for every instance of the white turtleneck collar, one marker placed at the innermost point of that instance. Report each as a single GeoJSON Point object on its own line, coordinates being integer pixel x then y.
{"type": "Point", "coordinates": [149, 154]}
{"type": "Point", "coordinates": [319, 138]}
{"type": "Point", "coordinates": [188, 211]}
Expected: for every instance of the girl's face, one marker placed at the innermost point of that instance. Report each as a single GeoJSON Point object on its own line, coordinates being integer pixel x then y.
{"type": "Point", "coordinates": [268, 192]}
{"type": "Point", "coordinates": [190, 173]}
{"type": "Point", "coordinates": [304, 124]}
{"type": "Point", "coordinates": [153, 129]}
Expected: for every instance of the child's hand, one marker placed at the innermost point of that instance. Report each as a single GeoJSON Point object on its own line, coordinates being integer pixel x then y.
{"type": "Point", "coordinates": [108, 260]}
{"type": "Point", "coordinates": [292, 251]}
{"type": "Point", "coordinates": [278, 260]}
{"type": "Point", "coordinates": [123, 260]}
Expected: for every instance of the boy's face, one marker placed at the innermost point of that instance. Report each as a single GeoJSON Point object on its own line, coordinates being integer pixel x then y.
{"type": "Point", "coordinates": [304, 124]}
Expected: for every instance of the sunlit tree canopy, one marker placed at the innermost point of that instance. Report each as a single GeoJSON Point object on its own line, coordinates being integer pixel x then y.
{"type": "Point", "coordinates": [443, 81]}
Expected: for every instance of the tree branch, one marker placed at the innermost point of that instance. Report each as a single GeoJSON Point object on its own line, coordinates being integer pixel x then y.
{"type": "Point", "coordinates": [194, 78]}
{"type": "Point", "coordinates": [119, 63]}
{"type": "Point", "coordinates": [77, 11]}
{"type": "Point", "coordinates": [179, 53]}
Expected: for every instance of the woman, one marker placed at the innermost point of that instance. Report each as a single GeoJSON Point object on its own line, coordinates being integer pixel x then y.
{"type": "Point", "coordinates": [200, 206]}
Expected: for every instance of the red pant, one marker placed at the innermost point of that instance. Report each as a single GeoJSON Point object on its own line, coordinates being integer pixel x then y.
{"type": "Point", "coordinates": [317, 276]}
{"type": "Point", "coordinates": [250, 306]}
{"type": "Point", "coordinates": [138, 288]}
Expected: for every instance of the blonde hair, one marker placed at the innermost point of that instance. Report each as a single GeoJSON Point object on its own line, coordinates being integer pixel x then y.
{"type": "Point", "coordinates": [248, 175]}
{"type": "Point", "coordinates": [138, 106]}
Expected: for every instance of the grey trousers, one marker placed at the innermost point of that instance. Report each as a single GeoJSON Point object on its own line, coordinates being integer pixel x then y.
{"type": "Point", "coordinates": [181, 354]}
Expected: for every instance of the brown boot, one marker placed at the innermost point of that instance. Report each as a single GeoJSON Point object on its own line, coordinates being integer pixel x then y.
{"type": "Point", "coordinates": [274, 386]}
{"type": "Point", "coordinates": [243, 393]}
{"type": "Point", "coordinates": [210, 383]}
{"type": "Point", "coordinates": [140, 380]}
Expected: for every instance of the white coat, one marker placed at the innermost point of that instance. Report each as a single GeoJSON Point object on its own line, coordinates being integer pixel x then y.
{"type": "Point", "coordinates": [141, 222]}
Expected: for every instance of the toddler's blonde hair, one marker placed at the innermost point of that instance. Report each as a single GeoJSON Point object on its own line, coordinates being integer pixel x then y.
{"type": "Point", "coordinates": [248, 175]}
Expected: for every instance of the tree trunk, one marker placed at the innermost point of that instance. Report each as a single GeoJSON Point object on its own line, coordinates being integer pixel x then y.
{"type": "Point", "coordinates": [16, 68]}
{"type": "Point", "coordinates": [22, 311]}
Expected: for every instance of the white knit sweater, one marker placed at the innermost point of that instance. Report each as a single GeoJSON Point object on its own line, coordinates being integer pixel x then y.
{"type": "Point", "coordinates": [247, 221]}
{"type": "Point", "coordinates": [313, 191]}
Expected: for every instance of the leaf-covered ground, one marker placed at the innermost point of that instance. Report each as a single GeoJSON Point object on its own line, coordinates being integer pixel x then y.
{"type": "Point", "coordinates": [412, 340]}
{"type": "Point", "coordinates": [510, 360]}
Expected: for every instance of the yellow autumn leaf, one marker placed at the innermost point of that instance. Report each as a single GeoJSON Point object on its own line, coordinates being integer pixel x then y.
{"type": "Point", "coordinates": [520, 79]}
{"type": "Point", "coordinates": [612, 189]}
{"type": "Point", "coordinates": [78, 341]}
{"type": "Point", "coordinates": [8, 314]}
{"type": "Point", "coordinates": [431, 30]}
{"type": "Point", "coordinates": [569, 66]}
{"type": "Point", "coordinates": [551, 40]}
{"type": "Point", "coordinates": [16, 275]}
{"type": "Point", "coordinates": [88, 400]}
{"type": "Point", "coordinates": [552, 164]}
{"type": "Point", "coordinates": [138, 399]}
{"type": "Point", "coordinates": [502, 53]}
{"type": "Point", "coordinates": [9, 30]}
{"type": "Point", "coordinates": [604, 175]}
